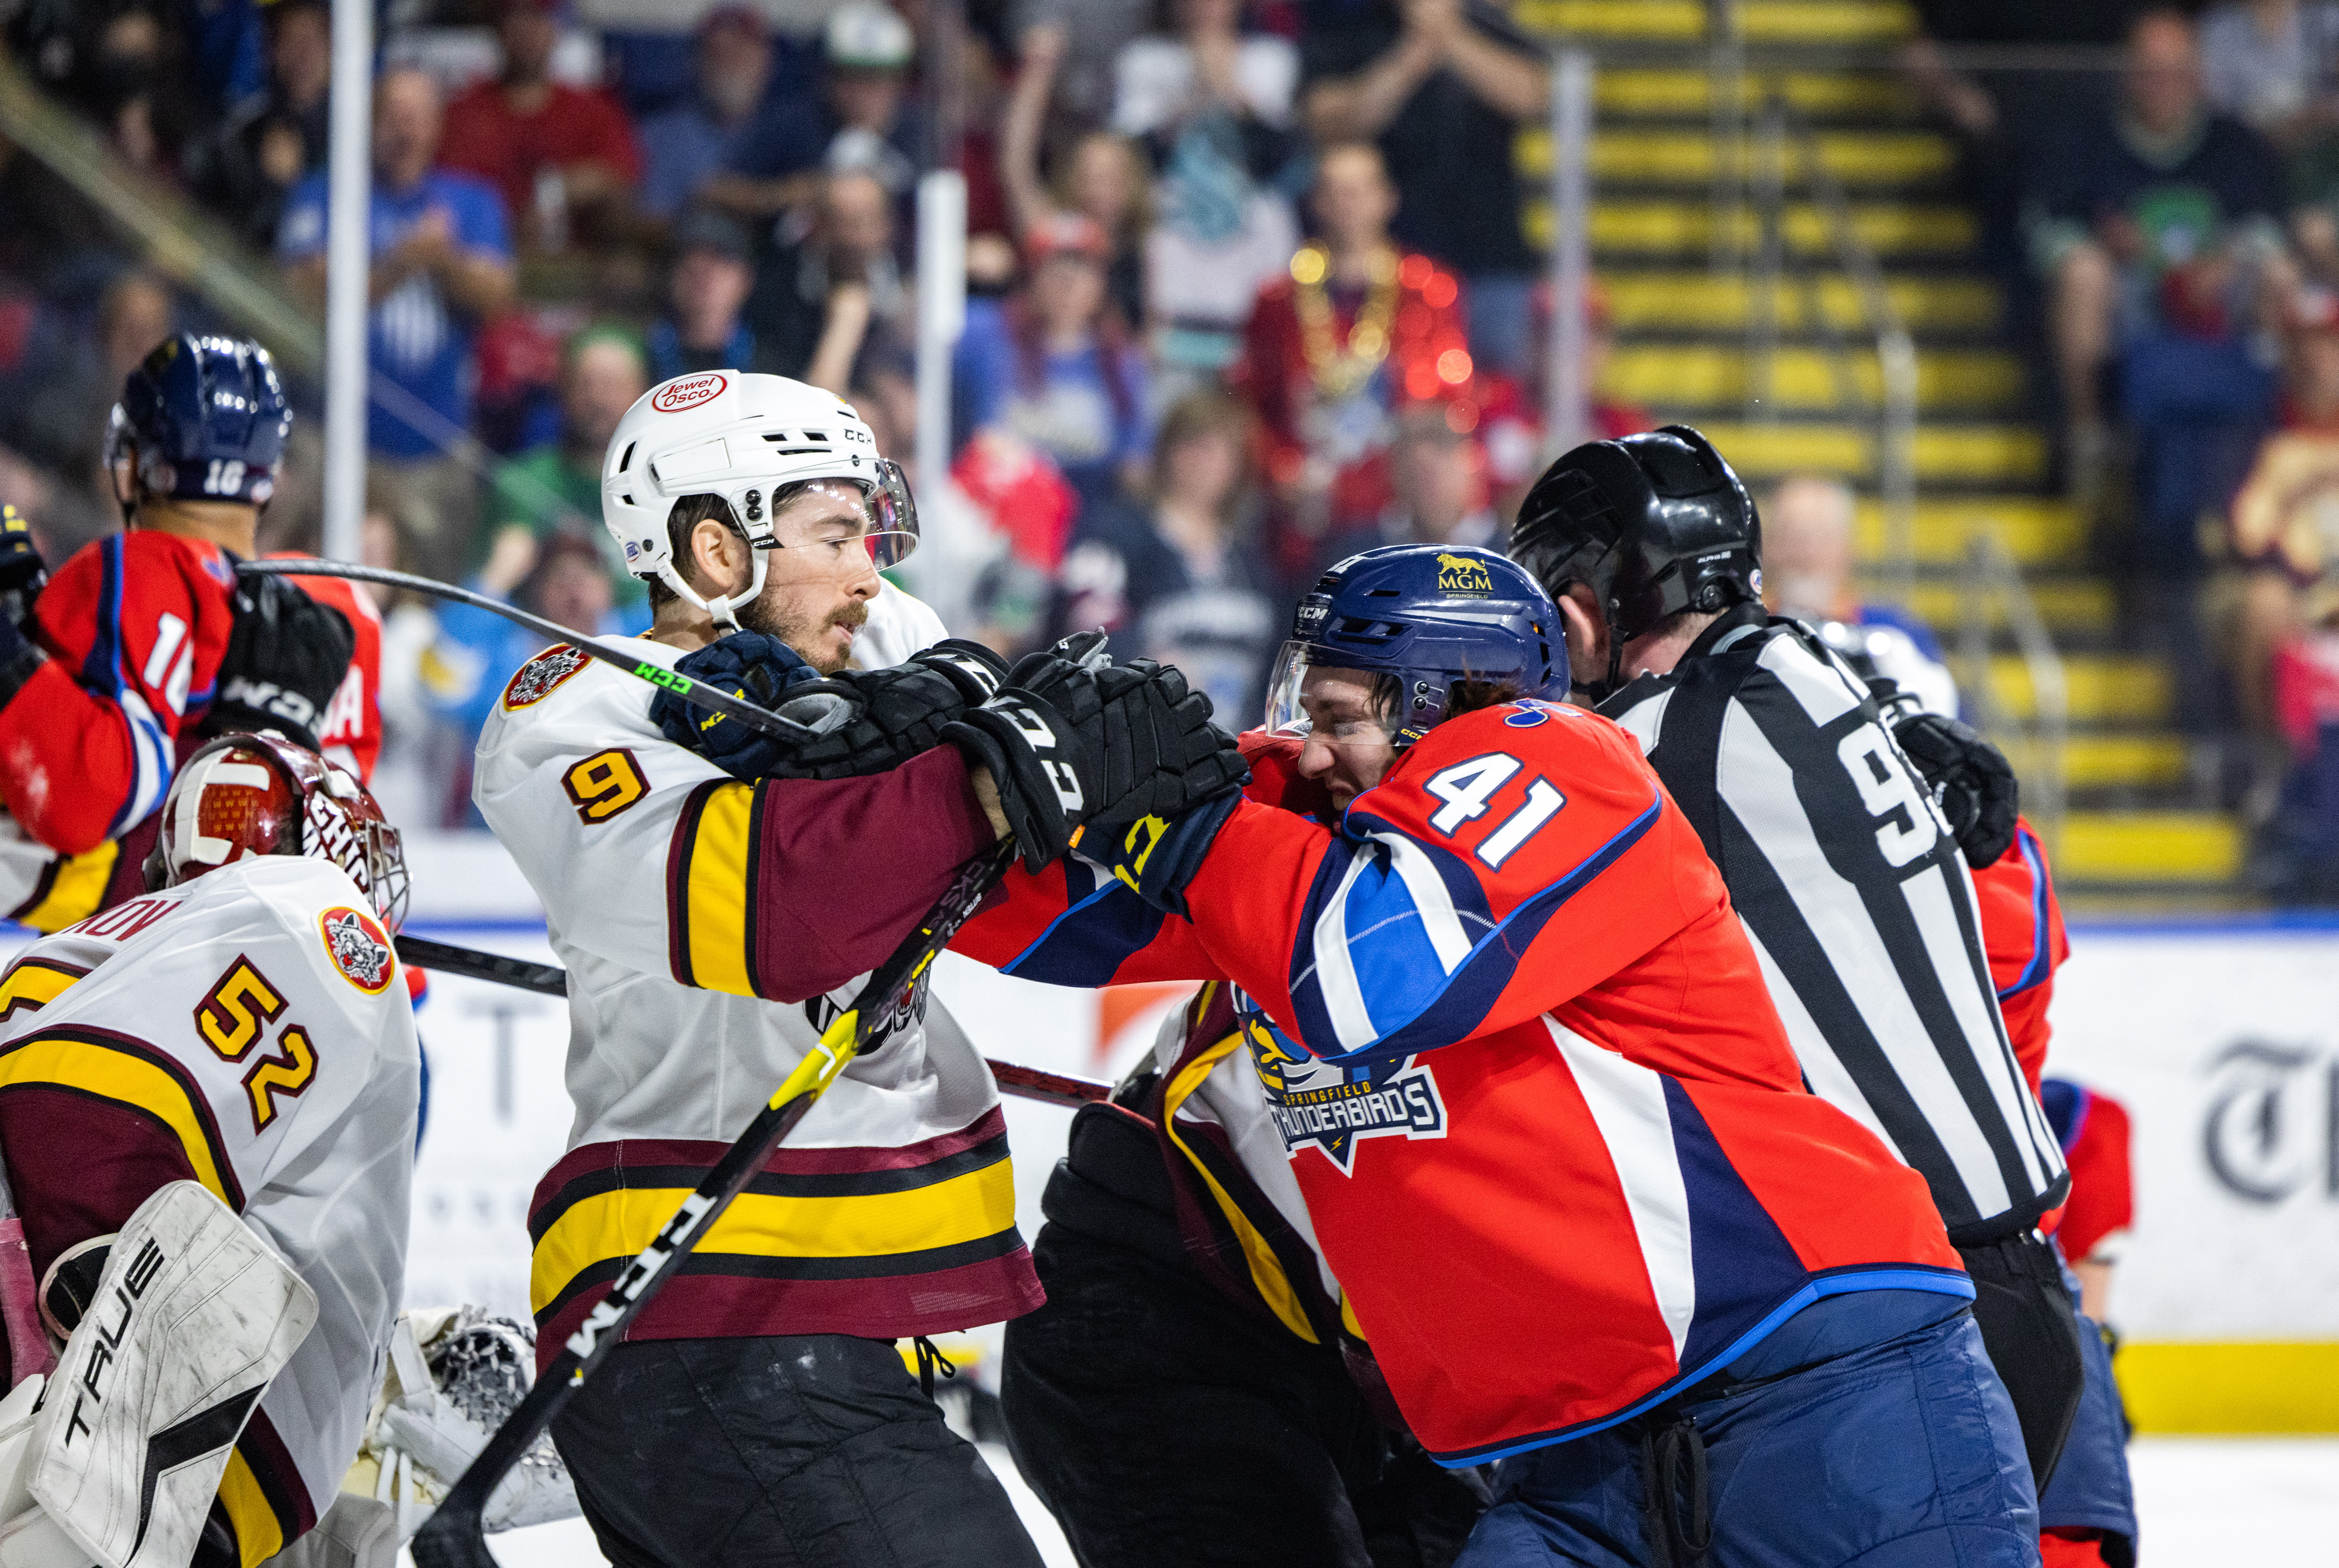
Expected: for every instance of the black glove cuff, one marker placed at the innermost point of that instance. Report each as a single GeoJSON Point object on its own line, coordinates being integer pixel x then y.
{"type": "Point", "coordinates": [1032, 791]}
{"type": "Point", "coordinates": [973, 669]}
{"type": "Point", "coordinates": [20, 659]}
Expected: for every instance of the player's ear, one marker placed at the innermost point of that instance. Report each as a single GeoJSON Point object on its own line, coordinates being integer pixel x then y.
{"type": "Point", "coordinates": [717, 556]}
{"type": "Point", "coordinates": [1587, 633]}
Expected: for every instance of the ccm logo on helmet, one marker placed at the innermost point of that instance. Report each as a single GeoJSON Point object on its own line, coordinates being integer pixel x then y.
{"type": "Point", "coordinates": [689, 393]}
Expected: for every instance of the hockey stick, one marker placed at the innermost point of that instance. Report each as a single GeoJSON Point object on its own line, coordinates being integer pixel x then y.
{"type": "Point", "coordinates": [453, 1537]}
{"type": "Point", "coordinates": [832, 708]}
{"type": "Point", "coordinates": [551, 979]}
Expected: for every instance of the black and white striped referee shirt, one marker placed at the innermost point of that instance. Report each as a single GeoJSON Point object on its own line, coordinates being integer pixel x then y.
{"type": "Point", "coordinates": [1860, 908]}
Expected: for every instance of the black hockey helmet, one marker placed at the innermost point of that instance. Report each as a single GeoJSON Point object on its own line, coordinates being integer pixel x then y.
{"type": "Point", "coordinates": [1655, 524]}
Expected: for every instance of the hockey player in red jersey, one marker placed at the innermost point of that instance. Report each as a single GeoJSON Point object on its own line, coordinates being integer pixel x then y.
{"type": "Point", "coordinates": [146, 641]}
{"type": "Point", "coordinates": [1547, 1123]}
{"type": "Point", "coordinates": [2087, 1514]}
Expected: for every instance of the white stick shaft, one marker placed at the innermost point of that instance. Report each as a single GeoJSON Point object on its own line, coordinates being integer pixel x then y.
{"type": "Point", "coordinates": [348, 257]}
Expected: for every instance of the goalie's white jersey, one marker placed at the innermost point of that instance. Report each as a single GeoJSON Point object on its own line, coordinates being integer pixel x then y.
{"type": "Point", "coordinates": [709, 929]}
{"type": "Point", "coordinates": [250, 1030]}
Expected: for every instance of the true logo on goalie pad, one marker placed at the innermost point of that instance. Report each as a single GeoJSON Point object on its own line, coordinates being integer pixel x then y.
{"type": "Point", "coordinates": [193, 1316]}
{"type": "Point", "coordinates": [1334, 1108]}
{"type": "Point", "coordinates": [358, 948]}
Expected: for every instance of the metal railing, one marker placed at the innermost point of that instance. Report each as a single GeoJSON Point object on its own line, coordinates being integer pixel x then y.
{"type": "Point", "coordinates": [1993, 581]}
{"type": "Point", "coordinates": [1893, 413]}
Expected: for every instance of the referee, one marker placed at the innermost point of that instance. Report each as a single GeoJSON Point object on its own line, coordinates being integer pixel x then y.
{"type": "Point", "coordinates": [1843, 870]}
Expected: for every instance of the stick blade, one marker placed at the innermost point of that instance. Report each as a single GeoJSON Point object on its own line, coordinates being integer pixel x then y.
{"type": "Point", "coordinates": [452, 1537]}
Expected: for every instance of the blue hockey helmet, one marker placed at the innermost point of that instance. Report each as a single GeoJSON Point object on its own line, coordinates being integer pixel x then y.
{"type": "Point", "coordinates": [1427, 617]}
{"type": "Point", "coordinates": [202, 418]}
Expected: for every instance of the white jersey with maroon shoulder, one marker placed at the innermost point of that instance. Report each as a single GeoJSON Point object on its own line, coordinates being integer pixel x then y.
{"type": "Point", "coordinates": [711, 929]}
{"type": "Point", "coordinates": [249, 1029]}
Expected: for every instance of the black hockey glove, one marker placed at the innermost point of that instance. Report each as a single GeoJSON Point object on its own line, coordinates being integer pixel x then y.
{"type": "Point", "coordinates": [286, 658]}
{"type": "Point", "coordinates": [747, 665]}
{"type": "Point", "coordinates": [23, 574]}
{"type": "Point", "coordinates": [1970, 777]}
{"type": "Point", "coordinates": [899, 712]}
{"type": "Point", "coordinates": [1071, 747]}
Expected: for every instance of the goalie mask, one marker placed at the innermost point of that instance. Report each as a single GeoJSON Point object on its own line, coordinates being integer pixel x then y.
{"type": "Point", "coordinates": [245, 796]}
{"type": "Point", "coordinates": [745, 437]}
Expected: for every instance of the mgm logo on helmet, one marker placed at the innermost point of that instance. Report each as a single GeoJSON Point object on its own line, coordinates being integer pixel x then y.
{"type": "Point", "coordinates": [1462, 574]}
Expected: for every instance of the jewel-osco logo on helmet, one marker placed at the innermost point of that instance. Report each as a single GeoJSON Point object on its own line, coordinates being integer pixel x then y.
{"type": "Point", "coordinates": [689, 391]}
{"type": "Point", "coordinates": [1462, 574]}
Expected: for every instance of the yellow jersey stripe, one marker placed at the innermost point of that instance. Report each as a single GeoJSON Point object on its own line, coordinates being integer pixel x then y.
{"type": "Point", "coordinates": [716, 893]}
{"type": "Point", "coordinates": [30, 985]}
{"type": "Point", "coordinates": [962, 1208]}
{"type": "Point", "coordinates": [1267, 1275]}
{"type": "Point", "coordinates": [77, 890]}
{"type": "Point", "coordinates": [128, 1076]}
{"type": "Point", "coordinates": [259, 1533]}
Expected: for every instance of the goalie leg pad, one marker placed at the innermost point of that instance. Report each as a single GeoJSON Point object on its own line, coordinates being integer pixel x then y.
{"type": "Point", "coordinates": [193, 1316]}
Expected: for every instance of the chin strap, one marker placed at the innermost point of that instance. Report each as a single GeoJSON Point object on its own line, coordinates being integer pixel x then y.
{"type": "Point", "coordinates": [722, 606]}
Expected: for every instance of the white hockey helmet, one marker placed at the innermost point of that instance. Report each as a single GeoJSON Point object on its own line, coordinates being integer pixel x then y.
{"type": "Point", "coordinates": [742, 436]}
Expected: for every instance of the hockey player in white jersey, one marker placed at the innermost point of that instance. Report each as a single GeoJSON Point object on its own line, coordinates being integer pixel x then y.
{"type": "Point", "coordinates": [216, 1081]}
{"type": "Point", "coordinates": [758, 1411]}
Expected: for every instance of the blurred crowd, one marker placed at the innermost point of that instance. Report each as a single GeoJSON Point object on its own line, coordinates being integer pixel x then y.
{"type": "Point", "coordinates": [1247, 290]}
{"type": "Point", "coordinates": [2170, 230]}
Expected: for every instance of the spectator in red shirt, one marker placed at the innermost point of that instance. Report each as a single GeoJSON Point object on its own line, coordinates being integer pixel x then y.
{"type": "Point", "coordinates": [557, 154]}
{"type": "Point", "coordinates": [1355, 332]}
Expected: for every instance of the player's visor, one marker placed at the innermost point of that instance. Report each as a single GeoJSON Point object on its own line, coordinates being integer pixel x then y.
{"type": "Point", "coordinates": [892, 516]}
{"type": "Point", "coordinates": [1342, 696]}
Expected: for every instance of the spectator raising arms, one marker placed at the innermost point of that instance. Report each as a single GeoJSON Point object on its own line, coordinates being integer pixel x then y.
{"type": "Point", "coordinates": [707, 286]}
{"type": "Point", "coordinates": [441, 264]}
{"type": "Point", "coordinates": [558, 488]}
{"type": "Point", "coordinates": [1354, 333]}
{"type": "Point", "coordinates": [1055, 367]}
{"type": "Point", "coordinates": [1443, 87]}
{"type": "Point", "coordinates": [557, 155]}
{"type": "Point", "coordinates": [683, 146]}
{"type": "Point", "coordinates": [1102, 176]}
{"type": "Point", "coordinates": [1173, 580]}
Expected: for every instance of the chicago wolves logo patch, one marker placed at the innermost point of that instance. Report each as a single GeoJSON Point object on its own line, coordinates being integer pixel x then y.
{"type": "Point", "coordinates": [1316, 1102]}
{"type": "Point", "coordinates": [358, 948]}
{"type": "Point", "coordinates": [536, 677]}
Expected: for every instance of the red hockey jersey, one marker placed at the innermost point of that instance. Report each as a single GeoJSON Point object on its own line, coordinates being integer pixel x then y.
{"type": "Point", "coordinates": [2022, 931]}
{"type": "Point", "coordinates": [351, 731]}
{"type": "Point", "coordinates": [1548, 1127]}
{"type": "Point", "coordinates": [135, 625]}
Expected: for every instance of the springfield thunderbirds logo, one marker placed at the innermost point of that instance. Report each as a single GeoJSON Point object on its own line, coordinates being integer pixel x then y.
{"type": "Point", "coordinates": [1332, 1108]}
